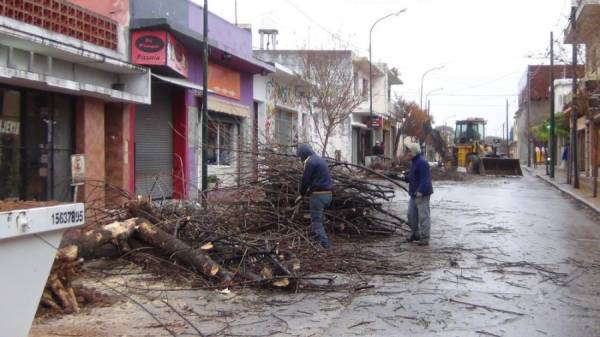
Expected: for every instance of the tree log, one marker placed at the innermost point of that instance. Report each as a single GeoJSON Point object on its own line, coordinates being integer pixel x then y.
{"type": "Point", "coordinates": [85, 245]}
{"type": "Point", "coordinates": [168, 244]}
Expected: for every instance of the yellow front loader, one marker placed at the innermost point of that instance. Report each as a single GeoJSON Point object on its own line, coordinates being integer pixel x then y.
{"type": "Point", "coordinates": [471, 153]}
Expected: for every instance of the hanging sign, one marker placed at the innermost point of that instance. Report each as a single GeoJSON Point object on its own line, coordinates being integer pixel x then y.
{"type": "Point", "coordinates": [159, 48]}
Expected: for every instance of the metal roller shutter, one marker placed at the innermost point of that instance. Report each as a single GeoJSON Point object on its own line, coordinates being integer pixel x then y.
{"type": "Point", "coordinates": [154, 145]}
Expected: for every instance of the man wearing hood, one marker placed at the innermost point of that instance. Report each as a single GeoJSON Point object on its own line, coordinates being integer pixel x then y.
{"type": "Point", "coordinates": [420, 189]}
{"type": "Point", "coordinates": [316, 182]}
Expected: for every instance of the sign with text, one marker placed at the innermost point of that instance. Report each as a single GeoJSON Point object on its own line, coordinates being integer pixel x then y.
{"type": "Point", "coordinates": [9, 127]}
{"type": "Point", "coordinates": [148, 47]}
{"type": "Point", "coordinates": [159, 48]}
{"type": "Point", "coordinates": [78, 168]}
{"type": "Point", "coordinates": [375, 122]}
{"type": "Point", "coordinates": [224, 81]}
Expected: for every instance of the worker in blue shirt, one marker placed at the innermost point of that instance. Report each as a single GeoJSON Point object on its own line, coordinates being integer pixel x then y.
{"type": "Point", "coordinates": [420, 189]}
{"type": "Point", "coordinates": [317, 183]}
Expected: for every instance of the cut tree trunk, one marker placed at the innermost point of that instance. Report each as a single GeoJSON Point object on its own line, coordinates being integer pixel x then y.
{"type": "Point", "coordinates": [174, 247]}
{"type": "Point", "coordinates": [86, 245]}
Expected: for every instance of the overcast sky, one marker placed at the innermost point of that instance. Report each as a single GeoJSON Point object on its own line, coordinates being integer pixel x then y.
{"type": "Point", "coordinates": [482, 44]}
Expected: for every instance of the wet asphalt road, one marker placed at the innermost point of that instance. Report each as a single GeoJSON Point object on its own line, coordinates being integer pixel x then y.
{"type": "Point", "coordinates": [508, 257]}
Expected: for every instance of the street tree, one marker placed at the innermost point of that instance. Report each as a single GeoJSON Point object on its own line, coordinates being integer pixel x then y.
{"type": "Point", "coordinates": [415, 121]}
{"type": "Point", "coordinates": [331, 98]}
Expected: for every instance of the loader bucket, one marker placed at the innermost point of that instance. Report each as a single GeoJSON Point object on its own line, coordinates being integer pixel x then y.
{"type": "Point", "coordinates": [500, 166]}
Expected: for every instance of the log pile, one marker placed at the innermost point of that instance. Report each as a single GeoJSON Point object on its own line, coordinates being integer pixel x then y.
{"type": "Point", "coordinates": [252, 235]}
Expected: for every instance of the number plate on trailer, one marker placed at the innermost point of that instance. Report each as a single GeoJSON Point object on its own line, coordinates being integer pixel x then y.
{"type": "Point", "coordinates": [39, 220]}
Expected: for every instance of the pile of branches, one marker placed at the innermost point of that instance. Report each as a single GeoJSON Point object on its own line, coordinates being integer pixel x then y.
{"type": "Point", "coordinates": [251, 235]}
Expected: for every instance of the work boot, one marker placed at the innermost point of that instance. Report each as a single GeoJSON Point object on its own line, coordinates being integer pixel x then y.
{"type": "Point", "coordinates": [423, 242]}
{"type": "Point", "coordinates": [412, 238]}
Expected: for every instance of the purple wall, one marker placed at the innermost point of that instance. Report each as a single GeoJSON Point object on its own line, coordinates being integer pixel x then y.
{"type": "Point", "coordinates": [227, 36]}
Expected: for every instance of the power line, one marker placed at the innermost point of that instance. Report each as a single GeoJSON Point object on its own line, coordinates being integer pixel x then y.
{"type": "Point", "coordinates": [485, 83]}
{"type": "Point", "coordinates": [334, 36]}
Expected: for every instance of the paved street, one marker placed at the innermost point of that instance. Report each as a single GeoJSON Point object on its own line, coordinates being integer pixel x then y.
{"type": "Point", "coordinates": [508, 257]}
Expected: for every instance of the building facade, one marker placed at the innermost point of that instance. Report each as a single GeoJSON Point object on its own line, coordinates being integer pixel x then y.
{"type": "Point", "coordinates": [283, 117]}
{"type": "Point", "coordinates": [534, 106]}
{"type": "Point", "coordinates": [167, 36]}
{"type": "Point", "coordinates": [66, 87]}
{"type": "Point", "coordinates": [353, 139]}
{"type": "Point", "coordinates": [587, 14]}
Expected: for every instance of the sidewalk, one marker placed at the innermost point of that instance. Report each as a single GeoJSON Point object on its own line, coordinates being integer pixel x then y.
{"type": "Point", "coordinates": [583, 194]}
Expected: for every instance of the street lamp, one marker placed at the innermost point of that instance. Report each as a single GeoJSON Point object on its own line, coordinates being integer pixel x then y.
{"type": "Point", "coordinates": [371, 66]}
{"type": "Point", "coordinates": [427, 99]}
{"type": "Point", "coordinates": [423, 79]}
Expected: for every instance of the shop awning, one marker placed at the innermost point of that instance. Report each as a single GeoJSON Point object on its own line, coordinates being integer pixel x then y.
{"type": "Point", "coordinates": [360, 125]}
{"type": "Point", "coordinates": [214, 103]}
{"type": "Point", "coordinates": [229, 108]}
{"type": "Point", "coordinates": [181, 82]}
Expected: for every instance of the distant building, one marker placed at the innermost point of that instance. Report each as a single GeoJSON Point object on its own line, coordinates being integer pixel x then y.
{"type": "Point", "coordinates": [534, 105]}
{"type": "Point", "coordinates": [588, 114]}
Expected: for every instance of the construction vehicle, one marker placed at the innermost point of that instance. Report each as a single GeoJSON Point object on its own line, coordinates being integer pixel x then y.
{"type": "Point", "coordinates": [472, 153]}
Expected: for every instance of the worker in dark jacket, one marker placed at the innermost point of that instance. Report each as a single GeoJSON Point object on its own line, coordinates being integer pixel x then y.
{"type": "Point", "coordinates": [316, 182]}
{"type": "Point", "coordinates": [420, 189]}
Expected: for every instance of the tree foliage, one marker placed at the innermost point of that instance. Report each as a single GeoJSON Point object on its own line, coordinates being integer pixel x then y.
{"type": "Point", "coordinates": [541, 132]}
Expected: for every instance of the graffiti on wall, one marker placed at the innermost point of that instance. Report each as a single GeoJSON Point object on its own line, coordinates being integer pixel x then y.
{"type": "Point", "coordinates": [280, 95]}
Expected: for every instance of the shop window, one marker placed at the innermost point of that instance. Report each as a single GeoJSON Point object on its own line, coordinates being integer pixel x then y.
{"type": "Point", "coordinates": [36, 141]}
{"type": "Point", "coordinates": [10, 143]}
{"type": "Point", "coordinates": [220, 143]}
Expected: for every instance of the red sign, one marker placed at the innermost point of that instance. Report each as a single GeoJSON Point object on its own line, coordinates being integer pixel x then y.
{"type": "Point", "coordinates": [148, 47]}
{"type": "Point", "coordinates": [159, 48]}
{"type": "Point", "coordinates": [177, 56]}
{"type": "Point", "coordinates": [375, 122]}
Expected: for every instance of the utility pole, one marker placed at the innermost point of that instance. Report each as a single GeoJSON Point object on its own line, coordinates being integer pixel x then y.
{"type": "Point", "coordinates": [507, 136]}
{"type": "Point", "coordinates": [573, 152]}
{"type": "Point", "coordinates": [527, 117]}
{"type": "Point", "coordinates": [552, 139]}
{"type": "Point", "coordinates": [429, 108]}
{"type": "Point", "coordinates": [204, 118]}
{"type": "Point", "coordinates": [236, 11]}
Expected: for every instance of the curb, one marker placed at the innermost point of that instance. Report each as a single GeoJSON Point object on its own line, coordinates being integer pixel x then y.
{"type": "Point", "coordinates": [564, 190]}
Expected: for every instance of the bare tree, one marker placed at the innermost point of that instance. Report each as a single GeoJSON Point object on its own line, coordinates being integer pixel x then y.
{"type": "Point", "coordinates": [332, 97]}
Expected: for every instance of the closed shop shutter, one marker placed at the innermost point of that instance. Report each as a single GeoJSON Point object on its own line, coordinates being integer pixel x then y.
{"type": "Point", "coordinates": [154, 145]}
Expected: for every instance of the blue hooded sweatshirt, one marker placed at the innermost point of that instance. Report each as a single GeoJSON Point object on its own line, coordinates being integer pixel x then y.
{"type": "Point", "coordinates": [419, 178]}
{"type": "Point", "coordinates": [316, 177]}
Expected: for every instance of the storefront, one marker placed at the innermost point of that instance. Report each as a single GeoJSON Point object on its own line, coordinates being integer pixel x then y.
{"type": "Point", "coordinates": [361, 136]}
{"type": "Point", "coordinates": [154, 144]}
{"type": "Point", "coordinates": [66, 89]}
{"type": "Point", "coordinates": [168, 38]}
{"type": "Point", "coordinates": [36, 142]}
